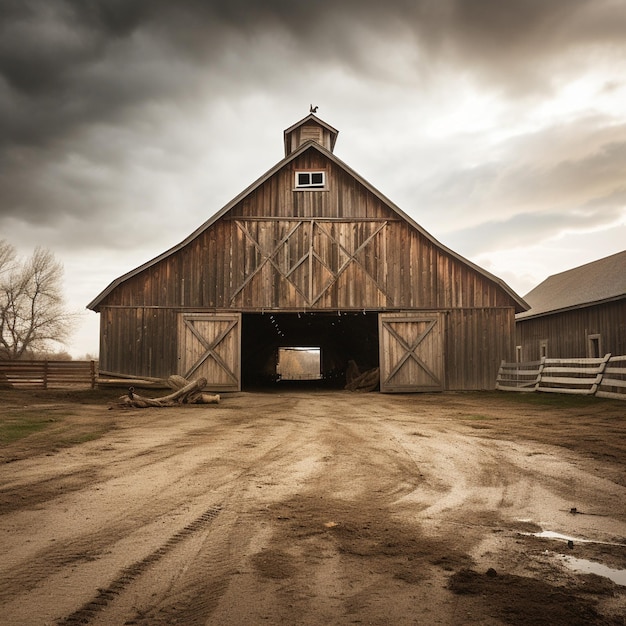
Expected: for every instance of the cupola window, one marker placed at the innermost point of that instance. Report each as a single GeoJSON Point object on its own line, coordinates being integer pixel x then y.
{"type": "Point", "coordinates": [310, 180]}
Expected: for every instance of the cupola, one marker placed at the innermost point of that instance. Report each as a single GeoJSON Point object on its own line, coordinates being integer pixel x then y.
{"type": "Point", "coordinates": [311, 128]}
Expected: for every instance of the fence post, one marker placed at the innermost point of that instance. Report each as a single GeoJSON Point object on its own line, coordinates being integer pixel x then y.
{"type": "Point", "coordinates": [45, 374]}
{"type": "Point", "coordinates": [542, 364]}
{"type": "Point", "coordinates": [93, 374]}
{"type": "Point", "coordinates": [499, 373]}
{"type": "Point", "coordinates": [600, 376]}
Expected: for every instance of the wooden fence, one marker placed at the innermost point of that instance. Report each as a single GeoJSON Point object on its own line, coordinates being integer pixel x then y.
{"type": "Point", "coordinates": [48, 374]}
{"type": "Point", "coordinates": [604, 376]}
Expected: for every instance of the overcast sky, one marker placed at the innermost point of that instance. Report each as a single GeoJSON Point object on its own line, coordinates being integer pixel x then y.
{"type": "Point", "coordinates": [500, 127]}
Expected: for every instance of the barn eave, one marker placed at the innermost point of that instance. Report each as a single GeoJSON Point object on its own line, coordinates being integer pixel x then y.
{"type": "Point", "coordinates": [527, 315]}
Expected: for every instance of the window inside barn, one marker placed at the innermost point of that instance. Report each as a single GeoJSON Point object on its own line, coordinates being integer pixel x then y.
{"type": "Point", "coordinates": [310, 180]}
{"type": "Point", "coordinates": [299, 363]}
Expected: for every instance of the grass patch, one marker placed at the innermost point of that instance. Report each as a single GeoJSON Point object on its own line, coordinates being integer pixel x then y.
{"type": "Point", "coordinates": [39, 421]}
{"type": "Point", "coordinates": [26, 397]}
{"type": "Point", "coordinates": [75, 439]}
{"type": "Point", "coordinates": [15, 428]}
{"type": "Point", "coordinates": [477, 417]}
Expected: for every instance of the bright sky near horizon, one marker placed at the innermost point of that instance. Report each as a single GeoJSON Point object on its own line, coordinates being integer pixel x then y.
{"type": "Point", "coordinates": [500, 127]}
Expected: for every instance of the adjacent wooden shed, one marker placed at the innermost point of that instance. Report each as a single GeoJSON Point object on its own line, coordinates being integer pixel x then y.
{"type": "Point", "coordinates": [310, 255]}
{"type": "Point", "coordinates": [575, 314]}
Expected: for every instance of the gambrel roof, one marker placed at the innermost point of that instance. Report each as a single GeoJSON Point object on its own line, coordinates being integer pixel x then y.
{"type": "Point", "coordinates": [520, 304]}
{"type": "Point", "coordinates": [594, 283]}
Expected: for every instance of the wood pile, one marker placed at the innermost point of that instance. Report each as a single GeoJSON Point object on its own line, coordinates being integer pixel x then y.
{"type": "Point", "coordinates": [367, 381]}
{"type": "Point", "coordinates": [185, 392]}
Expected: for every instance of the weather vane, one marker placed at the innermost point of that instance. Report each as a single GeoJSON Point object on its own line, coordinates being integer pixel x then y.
{"type": "Point", "coordinates": [312, 109]}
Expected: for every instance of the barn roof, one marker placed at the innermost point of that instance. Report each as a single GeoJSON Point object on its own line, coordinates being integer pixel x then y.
{"type": "Point", "coordinates": [594, 283]}
{"type": "Point", "coordinates": [521, 305]}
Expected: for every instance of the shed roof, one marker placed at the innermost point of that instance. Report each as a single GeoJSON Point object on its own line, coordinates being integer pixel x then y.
{"type": "Point", "coordinates": [521, 305]}
{"type": "Point", "coordinates": [593, 283]}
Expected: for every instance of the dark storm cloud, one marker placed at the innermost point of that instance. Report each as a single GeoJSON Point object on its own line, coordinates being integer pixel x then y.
{"type": "Point", "coordinates": [46, 44]}
{"type": "Point", "coordinates": [68, 63]}
{"type": "Point", "coordinates": [68, 67]}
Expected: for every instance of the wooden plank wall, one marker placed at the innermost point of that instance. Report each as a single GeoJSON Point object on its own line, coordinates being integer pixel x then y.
{"type": "Point", "coordinates": [567, 332]}
{"type": "Point", "coordinates": [397, 269]}
{"type": "Point", "coordinates": [476, 343]}
{"type": "Point", "coordinates": [138, 341]}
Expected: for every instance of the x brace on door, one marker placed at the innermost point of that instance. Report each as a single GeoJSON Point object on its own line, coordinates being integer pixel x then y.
{"type": "Point", "coordinates": [210, 349]}
{"type": "Point", "coordinates": [410, 351]}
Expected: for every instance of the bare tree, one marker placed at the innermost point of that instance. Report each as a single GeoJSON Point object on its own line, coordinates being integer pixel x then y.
{"type": "Point", "coordinates": [32, 311]}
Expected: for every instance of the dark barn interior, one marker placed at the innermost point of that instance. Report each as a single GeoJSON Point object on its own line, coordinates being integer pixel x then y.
{"type": "Point", "coordinates": [341, 337]}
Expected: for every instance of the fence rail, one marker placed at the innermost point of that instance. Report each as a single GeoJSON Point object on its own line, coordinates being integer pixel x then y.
{"type": "Point", "coordinates": [604, 376]}
{"type": "Point", "coordinates": [48, 374]}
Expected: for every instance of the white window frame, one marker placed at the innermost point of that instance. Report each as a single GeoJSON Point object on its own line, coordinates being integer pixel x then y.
{"type": "Point", "coordinates": [310, 184]}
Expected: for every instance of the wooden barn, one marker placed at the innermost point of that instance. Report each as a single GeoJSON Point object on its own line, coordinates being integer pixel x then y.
{"type": "Point", "coordinates": [310, 257]}
{"type": "Point", "coordinates": [575, 314]}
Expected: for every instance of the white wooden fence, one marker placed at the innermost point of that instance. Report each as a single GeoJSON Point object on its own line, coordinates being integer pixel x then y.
{"type": "Point", "coordinates": [604, 376]}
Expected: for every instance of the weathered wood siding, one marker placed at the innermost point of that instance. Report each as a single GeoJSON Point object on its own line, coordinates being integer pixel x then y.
{"type": "Point", "coordinates": [138, 340]}
{"type": "Point", "coordinates": [477, 341]}
{"type": "Point", "coordinates": [336, 249]}
{"type": "Point", "coordinates": [567, 333]}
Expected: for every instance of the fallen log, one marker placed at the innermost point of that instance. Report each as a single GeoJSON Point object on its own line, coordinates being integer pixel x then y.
{"type": "Point", "coordinates": [113, 379]}
{"type": "Point", "coordinates": [141, 383]}
{"type": "Point", "coordinates": [188, 393]}
{"type": "Point", "coordinates": [178, 382]}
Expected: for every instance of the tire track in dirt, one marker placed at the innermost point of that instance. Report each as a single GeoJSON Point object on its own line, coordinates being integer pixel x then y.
{"type": "Point", "coordinates": [200, 477]}
{"type": "Point", "coordinates": [197, 591]}
{"type": "Point", "coordinates": [39, 492]}
{"type": "Point", "coordinates": [85, 613]}
{"type": "Point", "coordinates": [197, 583]}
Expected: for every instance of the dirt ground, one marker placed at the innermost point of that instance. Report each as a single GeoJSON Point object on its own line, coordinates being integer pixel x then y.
{"type": "Point", "coordinates": [312, 507]}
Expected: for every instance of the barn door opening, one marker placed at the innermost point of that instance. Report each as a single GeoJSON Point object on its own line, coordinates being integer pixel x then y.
{"type": "Point", "coordinates": [411, 352]}
{"type": "Point", "coordinates": [209, 347]}
{"type": "Point", "coordinates": [308, 350]}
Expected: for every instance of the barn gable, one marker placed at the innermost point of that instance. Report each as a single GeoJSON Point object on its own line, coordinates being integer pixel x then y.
{"type": "Point", "coordinates": [308, 237]}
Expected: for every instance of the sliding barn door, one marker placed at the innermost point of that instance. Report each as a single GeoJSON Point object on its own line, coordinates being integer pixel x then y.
{"type": "Point", "coordinates": [411, 352]}
{"type": "Point", "coordinates": [210, 346]}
